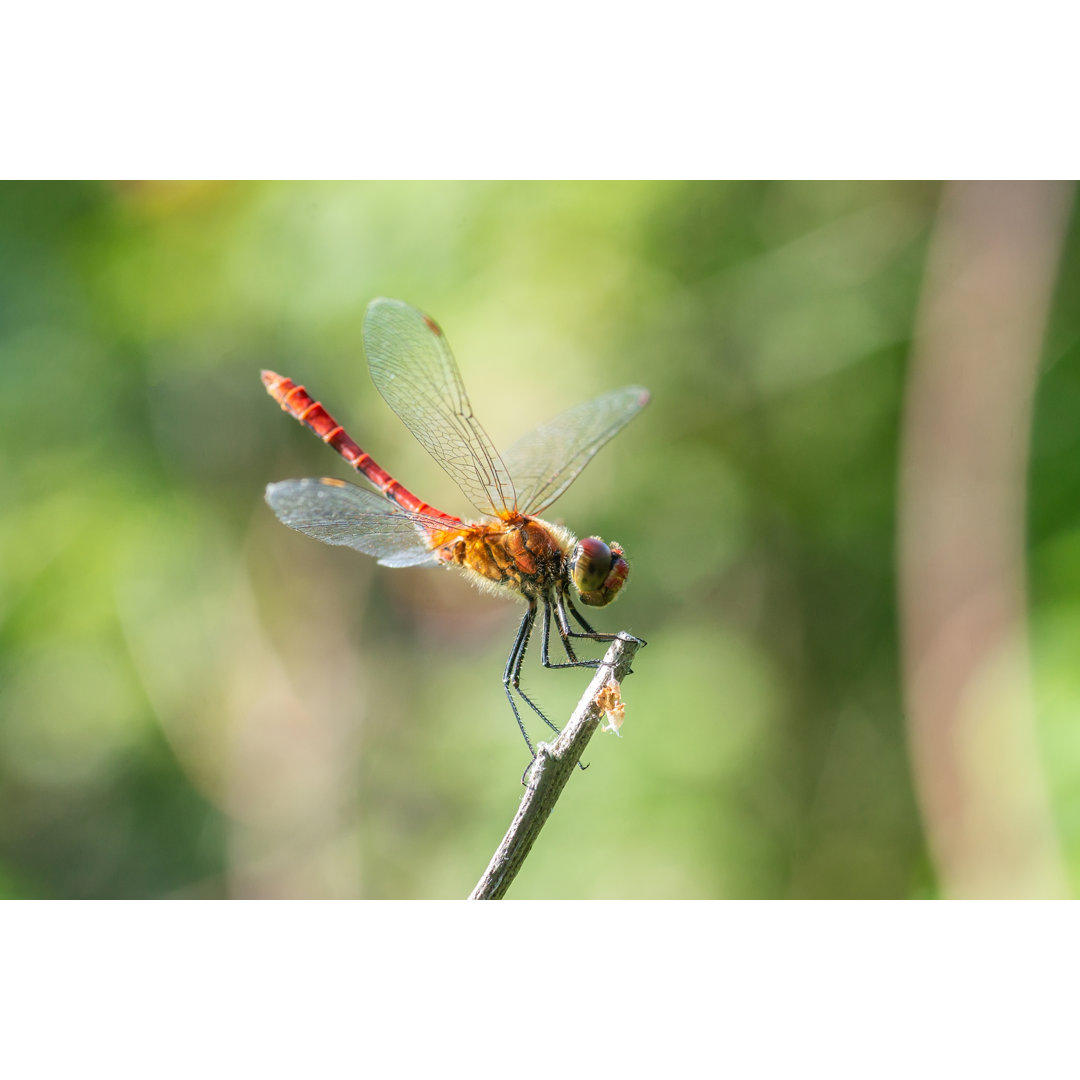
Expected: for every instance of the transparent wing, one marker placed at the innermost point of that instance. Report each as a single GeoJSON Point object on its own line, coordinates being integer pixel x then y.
{"type": "Point", "coordinates": [544, 463]}
{"type": "Point", "coordinates": [339, 513]}
{"type": "Point", "coordinates": [414, 370]}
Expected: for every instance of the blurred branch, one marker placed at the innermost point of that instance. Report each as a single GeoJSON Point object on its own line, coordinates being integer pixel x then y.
{"type": "Point", "coordinates": [553, 765]}
{"type": "Point", "coordinates": [963, 595]}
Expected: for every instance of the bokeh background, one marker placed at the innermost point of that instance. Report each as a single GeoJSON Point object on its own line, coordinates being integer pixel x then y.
{"type": "Point", "coordinates": [198, 702]}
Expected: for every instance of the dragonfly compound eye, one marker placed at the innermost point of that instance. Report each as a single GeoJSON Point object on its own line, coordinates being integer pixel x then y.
{"type": "Point", "coordinates": [597, 570]}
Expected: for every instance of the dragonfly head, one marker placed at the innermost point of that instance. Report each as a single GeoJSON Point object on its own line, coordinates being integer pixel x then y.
{"type": "Point", "coordinates": [598, 570]}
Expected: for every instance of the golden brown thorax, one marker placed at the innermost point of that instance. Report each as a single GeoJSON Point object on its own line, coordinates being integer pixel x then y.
{"type": "Point", "coordinates": [522, 553]}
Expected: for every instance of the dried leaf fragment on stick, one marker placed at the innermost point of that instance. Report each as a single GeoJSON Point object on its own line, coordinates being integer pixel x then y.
{"type": "Point", "coordinates": [609, 700]}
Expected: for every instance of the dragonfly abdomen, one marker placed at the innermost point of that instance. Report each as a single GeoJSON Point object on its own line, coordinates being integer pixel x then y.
{"type": "Point", "coordinates": [297, 402]}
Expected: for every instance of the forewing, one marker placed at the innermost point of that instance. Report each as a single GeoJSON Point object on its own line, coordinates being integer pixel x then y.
{"type": "Point", "coordinates": [414, 370]}
{"type": "Point", "coordinates": [544, 463]}
{"type": "Point", "coordinates": [344, 514]}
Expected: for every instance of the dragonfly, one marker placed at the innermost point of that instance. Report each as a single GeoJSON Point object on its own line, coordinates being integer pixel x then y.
{"type": "Point", "coordinates": [510, 550]}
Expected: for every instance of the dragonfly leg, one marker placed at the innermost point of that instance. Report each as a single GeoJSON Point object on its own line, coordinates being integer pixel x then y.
{"type": "Point", "coordinates": [574, 661]}
{"type": "Point", "coordinates": [590, 633]}
{"type": "Point", "coordinates": [565, 634]}
{"type": "Point", "coordinates": [578, 616]}
{"type": "Point", "coordinates": [512, 675]}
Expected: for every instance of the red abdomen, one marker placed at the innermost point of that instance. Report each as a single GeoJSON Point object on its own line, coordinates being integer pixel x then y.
{"type": "Point", "coordinates": [296, 401]}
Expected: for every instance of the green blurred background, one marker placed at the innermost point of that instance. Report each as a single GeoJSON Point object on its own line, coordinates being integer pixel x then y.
{"type": "Point", "coordinates": [198, 702]}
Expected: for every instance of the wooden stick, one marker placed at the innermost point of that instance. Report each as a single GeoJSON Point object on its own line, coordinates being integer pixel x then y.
{"type": "Point", "coordinates": [553, 765]}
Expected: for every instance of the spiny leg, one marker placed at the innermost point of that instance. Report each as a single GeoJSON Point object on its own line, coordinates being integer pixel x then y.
{"type": "Point", "coordinates": [513, 661]}
{"type": "Point", "coordinates": [512, 674]}
{"type": "Point", "coordinates": [562, 602]}
{"type": "Point", "coordinates": [578, 616]}
{"type": "Point", "coordinates": [574, 661]}
{"type": "Point", "coordinates": [564, 636]}
{"type": "Point", "coordinates": [590, 633]}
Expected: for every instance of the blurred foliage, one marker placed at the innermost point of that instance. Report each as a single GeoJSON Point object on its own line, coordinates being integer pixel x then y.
{"type": "Point", "coordinates": [195, 701]}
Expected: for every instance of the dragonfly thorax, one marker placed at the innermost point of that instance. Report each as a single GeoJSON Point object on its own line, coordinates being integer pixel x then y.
{"type": "Point", "coordinates": [518, 553]}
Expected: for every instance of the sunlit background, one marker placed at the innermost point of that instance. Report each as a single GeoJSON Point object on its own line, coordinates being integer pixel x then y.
{"type": "Point", "coordinates": [198, 702]}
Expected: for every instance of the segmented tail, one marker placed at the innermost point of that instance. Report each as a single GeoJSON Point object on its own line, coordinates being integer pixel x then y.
{"type": "Point", "coordinates": [296, 401]}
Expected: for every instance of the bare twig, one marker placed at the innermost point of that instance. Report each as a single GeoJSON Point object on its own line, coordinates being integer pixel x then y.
{"type": "Point", "coordinates": [553, 765]}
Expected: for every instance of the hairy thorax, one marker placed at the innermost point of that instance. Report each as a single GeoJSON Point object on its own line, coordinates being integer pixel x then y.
{"type": "Point", "coordinates": [522, 554]}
